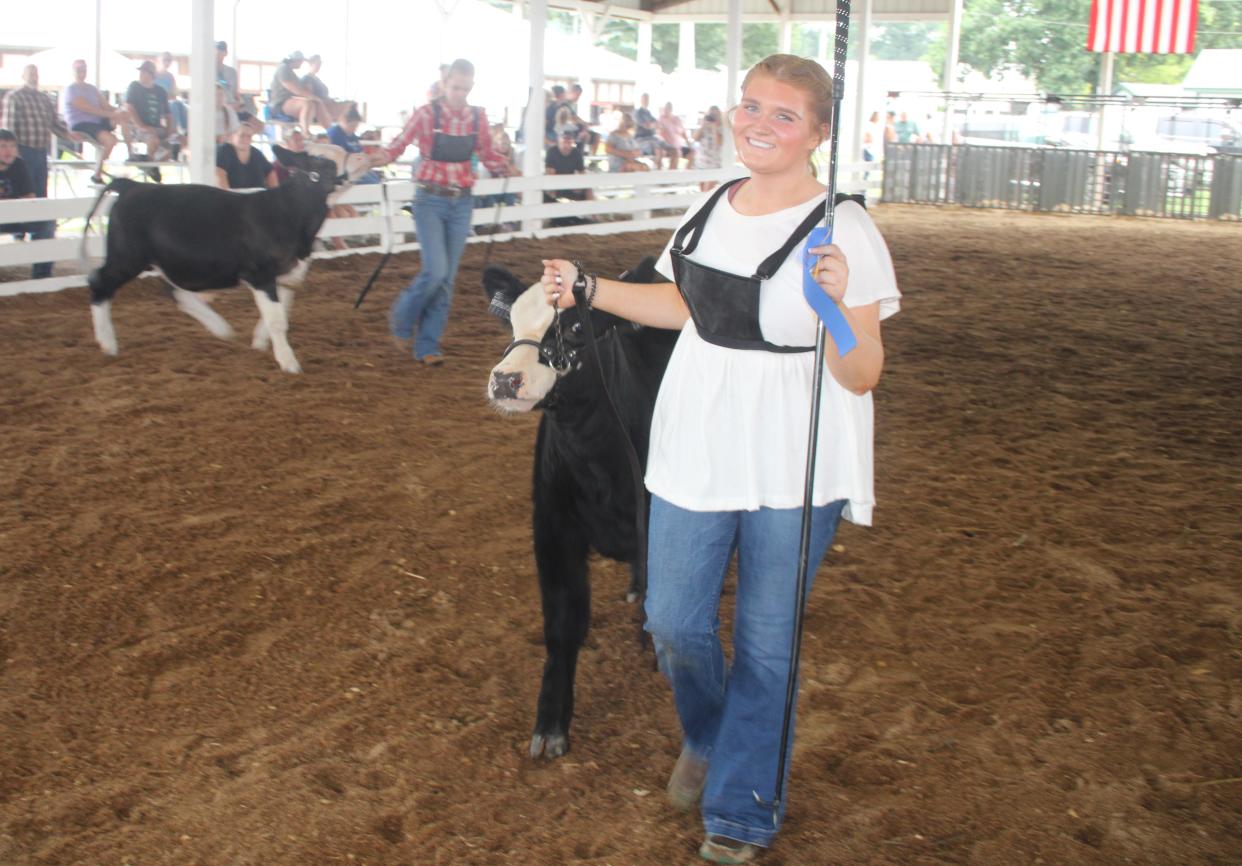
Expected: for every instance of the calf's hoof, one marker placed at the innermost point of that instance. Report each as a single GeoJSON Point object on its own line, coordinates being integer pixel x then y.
{"type": "Point", "coordinates": [108, 347]}
{"type": "Point", "coordinates": [549, 745]}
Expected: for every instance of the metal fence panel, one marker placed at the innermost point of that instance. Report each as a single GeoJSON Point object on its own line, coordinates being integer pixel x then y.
{"type": "Point", "coordinates": [1067, 181]}
{"type": "Point", "coordinates": [1077, 181]}
{"type": "Point", "coordinates": [1226, 192]}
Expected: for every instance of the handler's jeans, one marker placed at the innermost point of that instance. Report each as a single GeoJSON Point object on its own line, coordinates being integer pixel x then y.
{"type": "Point", "coordinates": [443, 224]}
{"type": "Point", "coordinates": [731, 717]}
{"type": "Point", "coordinates": [36, 161]}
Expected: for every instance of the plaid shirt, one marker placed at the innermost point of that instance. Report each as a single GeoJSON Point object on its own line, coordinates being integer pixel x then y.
{"type": "Point", "coordinates": [421, 131]}
{"type": "Point", "coordinates": [32, 117]}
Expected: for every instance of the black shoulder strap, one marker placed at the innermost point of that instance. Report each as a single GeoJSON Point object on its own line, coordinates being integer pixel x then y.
{"type": "Point", "coordinates": [695, 223]}
{"type": "Point", "coordinates": [435, 115]}
{"type": "Point", "coordinates": [773, 262]}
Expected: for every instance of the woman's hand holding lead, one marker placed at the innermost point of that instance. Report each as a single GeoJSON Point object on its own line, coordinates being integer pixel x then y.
{"type": "Point", "coordinates": [832, 272]}
{"type": "Point", "coordinates": [558, 282]}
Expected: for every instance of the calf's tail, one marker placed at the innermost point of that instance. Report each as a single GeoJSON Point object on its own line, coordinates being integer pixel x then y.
{"type": "Point", "coordinates": [119, 186]}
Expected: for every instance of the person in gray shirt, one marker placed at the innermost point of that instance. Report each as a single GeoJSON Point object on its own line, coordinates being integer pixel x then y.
{"type": "Point", "coordinates": [289, 97]}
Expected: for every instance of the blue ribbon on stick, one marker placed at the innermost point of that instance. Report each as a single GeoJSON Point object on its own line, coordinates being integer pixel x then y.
{"type": "Point", "coordinates": [827, 310]}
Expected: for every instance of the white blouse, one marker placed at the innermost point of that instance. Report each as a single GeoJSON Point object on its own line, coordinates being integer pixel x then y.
{"type": "Point", "coordinates": [730, 425]}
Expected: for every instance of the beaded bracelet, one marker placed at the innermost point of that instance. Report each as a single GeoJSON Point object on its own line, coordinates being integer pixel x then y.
{"type": "Point", "coordinates": [594, 278]}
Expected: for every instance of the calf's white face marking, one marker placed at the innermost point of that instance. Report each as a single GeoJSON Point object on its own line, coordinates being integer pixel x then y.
{"type": "Point", "coordinates": [531, 316]}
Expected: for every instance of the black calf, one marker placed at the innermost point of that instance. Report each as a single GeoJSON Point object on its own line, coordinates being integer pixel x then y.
{"type": "Point", "coordinates": [583, 492]}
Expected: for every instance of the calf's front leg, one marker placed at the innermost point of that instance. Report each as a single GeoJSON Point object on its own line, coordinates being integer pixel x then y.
{"type": "Point", "coordinates": [561, 557]}
{"type": "Point", "coordinates": [276, 322]}
{"type": "Point", "coordinates": [262, 339]}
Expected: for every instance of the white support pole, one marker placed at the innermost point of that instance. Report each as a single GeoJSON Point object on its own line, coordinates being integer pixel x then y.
{"type": "Point", "coordinates": [1106, 89]}
{"type": "Point", "coordinates": [685, 47]}
{"type": "Point", "coordinates": [860, 86]}
{"type": "Point", "coordinates": [644, 45]}
{"type": "Point", "coordinates": [202, 94]}
{"type": "Point", "coordinates": [786, 30]}
{"type": "Point", "coordinates": [98, 43]}
{"type": "Point", "coordinates": [233, 38]}
{"type": "Point", "coordinates": [950, 68]}
{"type": "Point", "coordinates": [733, 60]}
{"type": "Point", "coordinates": [532, 159]}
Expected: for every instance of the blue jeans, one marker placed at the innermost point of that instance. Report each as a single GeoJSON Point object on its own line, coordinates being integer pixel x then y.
{"type": "Point", "coordinates": [442, 224]}
{"type": "Point", "coordinates": [36, 161]}
{"type": "Point", "coordinates": [730, 717]}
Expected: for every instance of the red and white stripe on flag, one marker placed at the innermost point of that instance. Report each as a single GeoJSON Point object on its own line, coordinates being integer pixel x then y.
{"type": "Point", "coordinates": [1143, 26]}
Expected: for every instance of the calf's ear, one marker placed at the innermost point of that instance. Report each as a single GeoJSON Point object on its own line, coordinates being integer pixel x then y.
{"type": "Point", "coordinates": [502, 290]}
{"type": "Point", "coordinates": [497, 279]}
{"type": "Point", "coordinates": [284, 156]}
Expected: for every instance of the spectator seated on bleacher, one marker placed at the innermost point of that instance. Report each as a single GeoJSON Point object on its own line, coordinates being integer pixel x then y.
{"type": "Point", "coordinates": [167, 79]}
{"type": "Point", "coordinates": [622, 148]}
{"type": "Point", "coordinates": [150, 122]}
{"type": "Point", "coordinates": [241, 165]}
{"type": "Point", "coordinates": [227, 120]}
{"type": "Point", "coordinates": [344, 134]}
{"type": "Point", "coordinates": [289, 101]}
{"type": "Point", "coordinates": [645, 133]}
{"type": "Point", "coordinates": [87, 112]}
{"type": "Point", "coordinates": [15, 182]}
{"type": "Point", "coordinates": [566, 158]}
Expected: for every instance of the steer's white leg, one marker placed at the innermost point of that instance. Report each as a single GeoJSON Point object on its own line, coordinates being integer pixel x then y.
{"type": "Point", "coordinates": [197, 308]}
{"type": "Point", "coordinates": [105, 336]}
{"type": "Point", "coordinates": [277, 325]}
{"type": "Point", "coordinates": [260, 341]}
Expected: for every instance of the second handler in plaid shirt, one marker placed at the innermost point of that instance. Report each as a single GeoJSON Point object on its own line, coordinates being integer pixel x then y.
{"type": "Point", "coordinates": [448, 132]}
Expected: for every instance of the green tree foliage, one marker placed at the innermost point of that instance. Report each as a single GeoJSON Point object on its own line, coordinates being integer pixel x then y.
{"type": "Point", "coordinates": [905, 40]}
{"type": "Point", "coordinates": [665, 46]}
{"type": "Point", "coordinates": [620, 37]}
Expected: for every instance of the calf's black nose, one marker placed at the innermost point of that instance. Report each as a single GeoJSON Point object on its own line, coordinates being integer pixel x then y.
{"type": "Point", "coordinates": [505, 385]}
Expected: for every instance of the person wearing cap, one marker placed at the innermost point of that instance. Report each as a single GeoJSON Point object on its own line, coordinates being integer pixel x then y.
{"type": "Point", "coordinates": [150, 122]}
{"type": "Point", "coordinates": [31, 116]}
{"type": "Point", "coordinates": [449, 133]}
{"type": "Point", "coordinates": [227, 76]}
{"type": "Point", "coordinates": [87, 112]}
{"type": "Point", "coordinates": [288, 96]}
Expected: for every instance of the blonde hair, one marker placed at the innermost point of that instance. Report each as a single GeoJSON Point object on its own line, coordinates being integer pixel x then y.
{"type": "Point", "coordinates": [804, 74]}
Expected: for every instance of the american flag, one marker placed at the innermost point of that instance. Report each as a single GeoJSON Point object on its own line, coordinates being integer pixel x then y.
{"type": "Point", "coordinates": [1143, 26]}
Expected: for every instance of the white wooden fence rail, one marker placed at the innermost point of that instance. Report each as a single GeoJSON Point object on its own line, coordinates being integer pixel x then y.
{"type": "Point", "coordinates": [627, 200]}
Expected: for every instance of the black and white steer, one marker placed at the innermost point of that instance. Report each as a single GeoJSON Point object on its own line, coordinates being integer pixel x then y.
{"type": "Point", "coordinates": [584, 494]}
{"type": "Point", "coordinates": [200, 238]}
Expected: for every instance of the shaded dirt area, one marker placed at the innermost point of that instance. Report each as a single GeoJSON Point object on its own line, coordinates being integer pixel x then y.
{"type": "Point", "coordinates": [251, 618]}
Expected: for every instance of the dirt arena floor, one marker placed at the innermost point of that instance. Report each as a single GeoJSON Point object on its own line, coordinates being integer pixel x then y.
{"type": "Point", "coordinates": [252, 618]}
